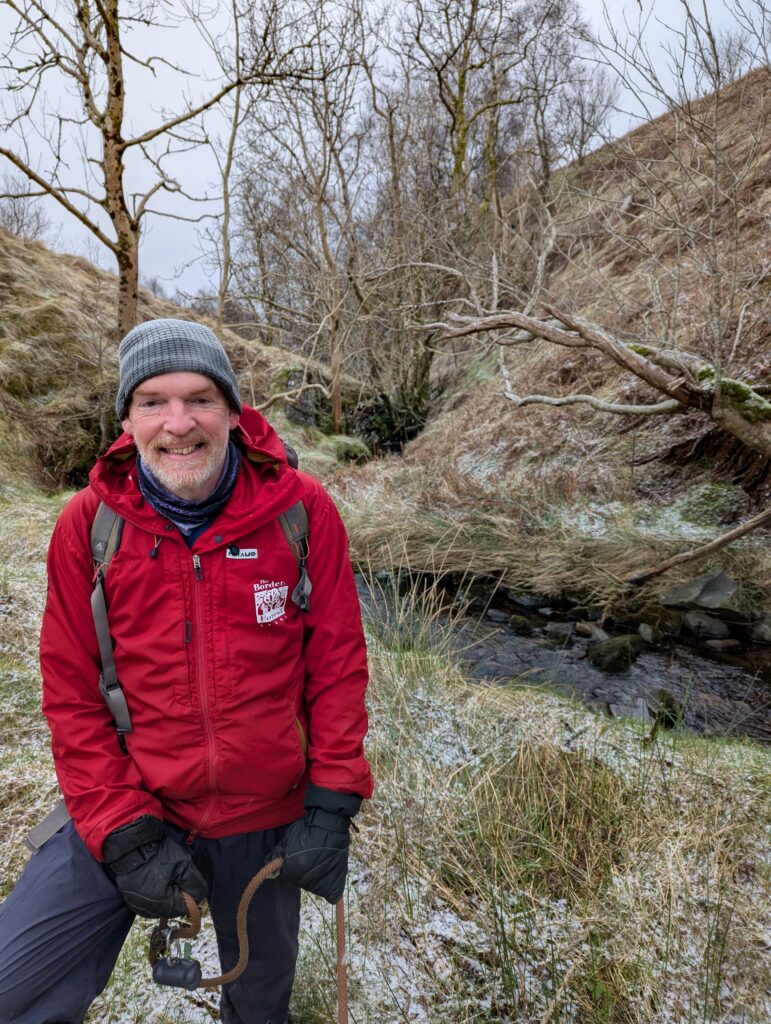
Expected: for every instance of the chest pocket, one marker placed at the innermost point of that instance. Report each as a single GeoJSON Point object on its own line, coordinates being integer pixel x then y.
{"type": "Point", "coordinates": [263, 628]}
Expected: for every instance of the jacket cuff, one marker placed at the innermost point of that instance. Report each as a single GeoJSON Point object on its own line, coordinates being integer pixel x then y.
{"type": "Point", "coordinates": [122, 846]}
{"type": "Point", "coordinates": [330, 800]}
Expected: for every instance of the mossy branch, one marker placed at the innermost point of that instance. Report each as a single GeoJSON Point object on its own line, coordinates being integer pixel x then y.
{"type": "Point", "coordinates": [667, 407]}
{"type": "Point", "coordinates": [686, 380]}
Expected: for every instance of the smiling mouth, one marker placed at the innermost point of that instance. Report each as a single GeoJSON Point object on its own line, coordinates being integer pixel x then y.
{"type": "Point", "coordinates": [186, 450]}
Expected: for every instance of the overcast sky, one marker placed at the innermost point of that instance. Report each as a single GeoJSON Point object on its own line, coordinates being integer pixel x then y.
{"type": "Point", "coordinates": [170, 249]}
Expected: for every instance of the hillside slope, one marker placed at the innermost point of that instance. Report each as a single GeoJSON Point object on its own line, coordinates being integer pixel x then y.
{"type": "Point", "coordinates": [659, 245]}
{"type": "Point", "coordinates": [58, 365]}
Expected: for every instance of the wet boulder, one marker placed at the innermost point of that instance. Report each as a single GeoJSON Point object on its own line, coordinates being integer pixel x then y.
{"type": "Point", "coordinates": [497, 615]}
{"type": "Point", "coordinates": [760, 632]}
{"type": "Point", "coordinates": [706, 626]}
{"type": "Point", "coordinates": [587, 613]}
{"type": "Point", "coordinates": [729, 644]}
{"type": "Point", "coordinates": [531, 601]}
{"type": "Point", "coordinates": [650, 634]}
{"type": "Point", "coordinates": [617, 654]}
{"type": "Point", "coordinates": [559, 630]}
{"type": "Point", "coordinates": [714, 591]}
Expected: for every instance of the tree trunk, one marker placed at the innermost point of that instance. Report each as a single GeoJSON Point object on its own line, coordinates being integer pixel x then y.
{"type": "Point", "coordinates": [128, 282]}
{"type": "Point", "coordinates": [126, 227]}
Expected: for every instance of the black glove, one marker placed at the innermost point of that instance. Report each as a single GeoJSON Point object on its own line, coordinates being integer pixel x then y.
{"type": "Point", "coordinates": [151, 870]}
{"type": "Point", "coordinates": [315, 848]}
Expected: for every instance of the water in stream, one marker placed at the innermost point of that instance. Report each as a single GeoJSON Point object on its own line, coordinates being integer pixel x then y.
{"type": "Point", "coordinates": [721, 694]}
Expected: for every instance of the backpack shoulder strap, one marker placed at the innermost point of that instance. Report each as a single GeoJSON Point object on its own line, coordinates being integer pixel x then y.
{"type": "Point", "coordinates": [294, 523]}
{"type": "Point", "coordinates": [106, 533]}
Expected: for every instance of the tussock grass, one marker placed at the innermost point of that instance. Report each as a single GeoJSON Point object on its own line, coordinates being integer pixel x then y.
{"type": "Point", "coordinates": [442, 521]}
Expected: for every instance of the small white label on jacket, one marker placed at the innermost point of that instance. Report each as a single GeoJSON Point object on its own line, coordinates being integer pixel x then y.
{"type": "Point", "coordinates": [242, 553]}
{"type": "Point", "coordinates": [270, 600]}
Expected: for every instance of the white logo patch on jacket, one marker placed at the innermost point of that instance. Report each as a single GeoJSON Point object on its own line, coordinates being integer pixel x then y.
{"type": "Point", "coordinates": [270, 600]}
{"type": "Point", "coordinates": [241, 553]}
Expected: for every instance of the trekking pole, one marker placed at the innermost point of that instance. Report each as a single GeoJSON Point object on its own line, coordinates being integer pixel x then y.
{"type": "Point", "coordinates": [342, 972]}
{"type": "Point", "coordinates": [184, 972]}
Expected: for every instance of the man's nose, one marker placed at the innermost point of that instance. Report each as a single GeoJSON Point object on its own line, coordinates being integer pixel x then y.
{"type": "Point", "coordinates": [179, 419]}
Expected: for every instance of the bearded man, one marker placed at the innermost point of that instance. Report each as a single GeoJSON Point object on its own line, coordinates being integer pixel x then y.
{"type": "Point", "coordinates": [244, 715]}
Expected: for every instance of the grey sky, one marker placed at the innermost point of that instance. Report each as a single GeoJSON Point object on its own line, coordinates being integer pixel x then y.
{"type": "Point", "coordinates": [171, 250]}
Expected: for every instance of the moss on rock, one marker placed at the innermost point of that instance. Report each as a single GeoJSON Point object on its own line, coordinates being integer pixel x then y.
{"type": "Point", "coordinates": [520, 625]}
{"type": "Point", "coordinates": [346, 448]}
{"type": "Point", "coordinates": [617, 654]}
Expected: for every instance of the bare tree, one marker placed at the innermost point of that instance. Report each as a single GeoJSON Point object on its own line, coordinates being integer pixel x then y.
{"type": "Point", "coordinates": [75, 49]}
{"type": "Point", "coordinates": [694, 177]}
{"type": "Point", "coordinates": [230, 52]}
{"type": "Point", "coordinates": [301, 183]}
{"type": "Point", "coordinates": [467, 50]}
{"type": "Point", "coordinates": [20, 214]}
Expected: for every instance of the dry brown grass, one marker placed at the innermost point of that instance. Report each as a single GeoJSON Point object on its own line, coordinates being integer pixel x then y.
{"type": "Point", "coordinates": [633, 269]}
{"type": "Point", "coordinates": [58, 367]}
{"type": "Point", "coordinates": [546, 534]}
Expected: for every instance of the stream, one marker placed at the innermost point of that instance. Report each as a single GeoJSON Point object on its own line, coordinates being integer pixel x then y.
{"type": "Point", "coordinates": [722, 694]}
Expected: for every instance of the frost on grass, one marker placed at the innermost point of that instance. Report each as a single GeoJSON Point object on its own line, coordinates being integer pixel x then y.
{"type": "Point", "coordinates": [524, 860]}
{"type": "Point", "coordinates": [27, 779]}
{"type": "Point", "coordinates": [132, 997]}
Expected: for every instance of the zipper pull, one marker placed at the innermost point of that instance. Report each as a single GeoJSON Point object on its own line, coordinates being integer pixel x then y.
{"type": "Point", "coordinates": [197, 567]}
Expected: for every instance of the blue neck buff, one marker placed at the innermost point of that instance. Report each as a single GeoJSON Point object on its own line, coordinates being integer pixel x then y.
{"type": "Point", "coordinates": [190, 515]}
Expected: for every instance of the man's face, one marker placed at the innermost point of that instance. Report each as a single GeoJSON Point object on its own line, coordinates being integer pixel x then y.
{"type": "Point", "coordinates": [180, 422]}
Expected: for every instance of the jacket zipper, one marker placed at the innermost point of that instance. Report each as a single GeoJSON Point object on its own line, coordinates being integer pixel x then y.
{"type": "Point", "coordinates": [210, 742]}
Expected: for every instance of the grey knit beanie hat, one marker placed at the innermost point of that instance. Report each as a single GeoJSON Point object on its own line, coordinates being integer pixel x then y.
{"type": "Point", "coordinates": [168, 346]}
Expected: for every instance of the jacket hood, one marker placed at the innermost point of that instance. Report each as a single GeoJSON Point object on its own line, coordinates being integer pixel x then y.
{"type": "Point", "coordinates": [114, 480]}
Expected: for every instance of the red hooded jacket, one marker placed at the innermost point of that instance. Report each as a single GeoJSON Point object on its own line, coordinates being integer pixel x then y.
{"type": "Point", "coordinates": [237, 698]}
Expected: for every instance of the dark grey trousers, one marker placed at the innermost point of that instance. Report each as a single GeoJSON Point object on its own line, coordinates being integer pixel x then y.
{"type": "Point", "coordinates": [63, 926]}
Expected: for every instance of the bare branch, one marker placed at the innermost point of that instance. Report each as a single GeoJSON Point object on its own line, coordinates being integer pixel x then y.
{"type": "Point", "coordinates": [292, 396]}
{"type": "Point", "coordinates": [667, 407]}
{"type": "Point", "coordinates": [60, 196]}
{"type": "Point", "coordinates": [706, 549]}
